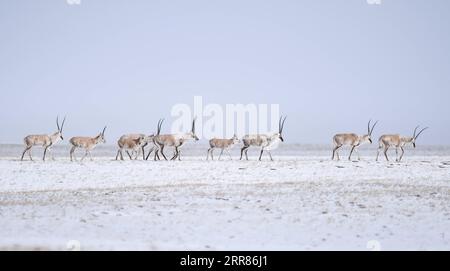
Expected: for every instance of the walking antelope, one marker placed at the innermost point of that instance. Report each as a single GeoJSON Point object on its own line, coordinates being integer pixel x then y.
{"type": "Point", "coordinates": [266, 142]}
{"type": "Point", "coordinates": [87, 143]}
{"type": "Point", "coordinates": [175, 140]}
{"type": "Point", "coordinates": [352, 140]}
{"type": "Point", "coordinates": [46, 141]}
{"type": "Point", "coordinates": [134, 143]}
{"type": "Point", "coordinates": [223, 144]}
{"type": "Point", "coordinates": [397, 141]}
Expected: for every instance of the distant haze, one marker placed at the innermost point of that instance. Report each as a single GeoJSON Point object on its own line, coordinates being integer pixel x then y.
{"type": "Point", "coordinates": [330, 65]}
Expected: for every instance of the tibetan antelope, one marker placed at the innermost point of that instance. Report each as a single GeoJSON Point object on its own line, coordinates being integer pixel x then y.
{"type": "Point", "coordinates": [134, 143]}
{"type": "Point", "coordinates": [175, 140]}
{"type": "Point", "coordinates": [46, 141]}
{"type": "Point", "coordinates": [352, 140]}
{"type": "Point", "coordinates": [87, 143]}
{"type": "Point", "coordinates": [397, 141]}
{"type": "Point", "coordinates": [266, 142]}
{"type": "Point", "coordinates": [223, 144]}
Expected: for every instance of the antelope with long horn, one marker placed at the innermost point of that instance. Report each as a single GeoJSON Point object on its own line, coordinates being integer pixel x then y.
{"type": "Point", "coordinates": [223, 144]}
{"type": "Point", "coordinates": [134, 143]}
{"type": "Point", "coordinates": [86, 143]}
{"type": "Point", "coordinates": [46, 141]}
{"type": "Point", "coordinates": [172, 140]}
{"type": "Point", "coordinates": [352, 140]}
{"type": "Point", "coordinates": [399, 142]}
{"type": "Point", "coordinates": [266, 142]}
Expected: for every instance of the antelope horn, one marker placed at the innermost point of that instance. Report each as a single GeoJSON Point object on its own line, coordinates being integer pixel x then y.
{"type": "Point", "coordinates": [368, 127]}
{"type": "Point", "coordinates": [282, 124]}
{"type": "Point", "coordinates": [373, 127]}
{"type": "Point", "coordinates": [62, 125]}
{"type": "Point", "coordinates": [279, 124]}
{"type": "Point", "coordinates": [160, 122]}
{"type": "Point", "coordinates": [57, 123]}
{"type": "Point", "coordinates": [103, 132]}
{"type": "Point", "coordinates": [193, 125]}
{"type": "Point", "coordinates": [415, 130]}
{"type": "Point", "coordinates": [421, 131]}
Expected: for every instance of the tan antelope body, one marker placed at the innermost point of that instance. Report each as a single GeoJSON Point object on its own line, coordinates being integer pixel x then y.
{"type": "Point", "coordinates": [352, 140]}
{"type": "Point", "coordinates": [172, 140]}
{"type": "Point", "coordinates": [266, 142]}
{"type": "Point", "coordinates": [134, 143]}
{"type": "Point", "coordinates": [86, 143]}
{"type": "Point", "coordinates": [223, 144]}
{"type": "Point", "coordinates": [46, 141]}
{"type": "Point", "coordinates": [398, 142]}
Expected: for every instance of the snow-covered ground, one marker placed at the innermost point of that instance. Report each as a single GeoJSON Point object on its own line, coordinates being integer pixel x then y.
{"type": "Point", "coordinates": [298, 202]}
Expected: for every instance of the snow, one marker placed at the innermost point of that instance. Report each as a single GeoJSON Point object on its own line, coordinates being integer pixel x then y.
{"type": "Point", "coordinates": [294, 203]}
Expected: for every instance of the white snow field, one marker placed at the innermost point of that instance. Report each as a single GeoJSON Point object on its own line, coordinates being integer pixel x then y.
{"type": "Point", "coordinates": [301, 201]}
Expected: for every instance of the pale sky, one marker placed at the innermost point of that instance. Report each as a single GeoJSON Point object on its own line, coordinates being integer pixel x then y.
{"type": "Point", "coordinates": [329, 64]}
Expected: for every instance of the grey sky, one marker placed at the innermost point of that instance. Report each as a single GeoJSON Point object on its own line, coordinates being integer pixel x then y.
{"type": "Point", "coordinates": [331, 65]}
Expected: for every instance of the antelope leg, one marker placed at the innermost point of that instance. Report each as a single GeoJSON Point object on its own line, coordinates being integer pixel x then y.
{"type": "Point", "coordinates": [403, 152]}
{"type": "Point", "coordinates": [351, 152]}
{"type": "Point", "coordinates": [150, 152]}
{"type": "Point", "coordinates": [50, 150]}
{"type": "Point", "coordinates": [334, 152]}
{"type": "Point", "coordinates": [85, 155]}
{"type": "Point", "coordinates": [157, 155]}
{"type": "Point", "coordinates": [357, 152]}
{"type": "Point", "coordinates": [260, 155]}
{"type": "Point", "coordinates": [385, 153]}
{"type": "Point", "coordinates": [162, 152]}
{"type": "Point", "coordinates": [337, 154]}
{"type": "Point", "coordinates": [242, 151]}
{"type": "Point", "coordinates": [270, 155]}
{"type": "Point", "coordinates": [175, 154]}
{"type": "Point", "coordinates": [229, 154]}
{"type": "Point", "coordinates": [72, 154]}
{"type": "Point", "coordinates": [23, 154]}
{"type": "Point", "coordinates": [378, 152]}
{"type": "Point", "coordinates": [45, 153]}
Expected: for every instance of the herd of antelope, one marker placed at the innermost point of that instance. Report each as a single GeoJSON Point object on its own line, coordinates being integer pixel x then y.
{"type": "Point", "coordinates": [134, 144]}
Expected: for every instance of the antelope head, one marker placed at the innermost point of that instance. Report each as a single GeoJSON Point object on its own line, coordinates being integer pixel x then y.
{"type": "Point", "coordinates": [279, 135]}
{"type": "Point", "coordinates": [142, 139]}
{"type": "Point", "coordinates": [416, 135]}
{"type": "Point", "coordinates": [235, 139]}
{"type": "Point", "coordinates": [101, 137]}
{"type": "Point", "coordinates": [368, 137]}
{"type": "Point", "coordinates": [60, 128]}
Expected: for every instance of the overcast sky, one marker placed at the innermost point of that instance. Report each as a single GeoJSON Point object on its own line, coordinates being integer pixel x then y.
{"type": "Point", "coordinates": [330, 65]}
